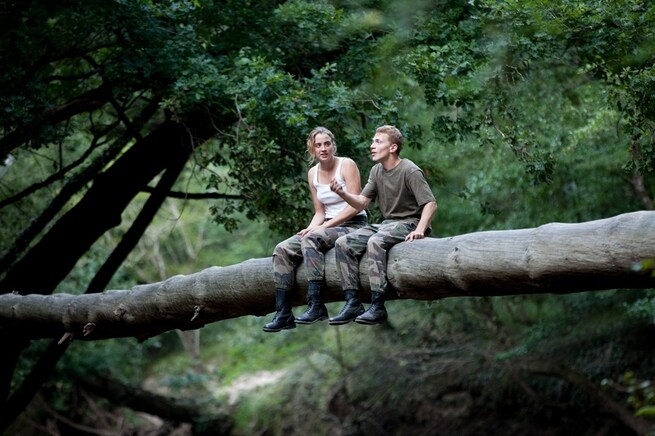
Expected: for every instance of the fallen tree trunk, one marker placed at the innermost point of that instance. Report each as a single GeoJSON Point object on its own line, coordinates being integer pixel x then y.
{"type": "Point", "coordinates": [205, 418]}
{"type": "Point", "coordinates": [553, 258]}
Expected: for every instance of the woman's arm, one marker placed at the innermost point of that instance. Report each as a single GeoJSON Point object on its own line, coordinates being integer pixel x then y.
{"type": "Point", "coordinates": [319, 209]}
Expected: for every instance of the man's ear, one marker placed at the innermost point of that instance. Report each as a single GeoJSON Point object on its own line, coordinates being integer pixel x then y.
{"type": "Point", "coordinates": [393, 148]}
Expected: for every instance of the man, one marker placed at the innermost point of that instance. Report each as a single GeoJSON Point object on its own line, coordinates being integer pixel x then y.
{"type": "Point", "coordinates": [407, 205]}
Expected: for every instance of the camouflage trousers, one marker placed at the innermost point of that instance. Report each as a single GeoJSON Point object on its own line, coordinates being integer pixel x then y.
{"type": "Point", "coordinates": [375, 240]}
{"type": "Point", "coordinates": [311, 250]}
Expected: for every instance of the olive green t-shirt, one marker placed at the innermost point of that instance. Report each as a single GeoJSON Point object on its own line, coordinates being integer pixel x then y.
{"type": "Point", "coordinates": [400, 192]}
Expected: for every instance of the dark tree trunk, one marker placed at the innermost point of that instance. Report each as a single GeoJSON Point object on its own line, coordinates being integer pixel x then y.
{"type": "Point", "coordinates": [100, 210]}
{"type": "Point", "coordinates": [167, 148]}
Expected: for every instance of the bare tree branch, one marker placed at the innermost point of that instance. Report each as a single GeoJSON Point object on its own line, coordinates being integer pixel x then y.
{"type": "Point", "coordinates": [197, 195]}
{"type": "Point", "coordinates": [638, 425]}
{"type": "Point", "coordinates": [89, 101]}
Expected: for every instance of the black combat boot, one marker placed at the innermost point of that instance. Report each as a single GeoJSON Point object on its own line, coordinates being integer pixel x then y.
{"type": "Point", "coordinates": [316, 310]}
{"type": "Point", "coordinates": [350, 311]}
{"type": "Point", "coordinates": [377, 313]}
{"type": "Point", "coordinates": [283, 318]}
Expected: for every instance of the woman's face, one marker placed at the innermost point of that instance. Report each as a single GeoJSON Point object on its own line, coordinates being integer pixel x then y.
{"type": "Point", "coordinates": [323, 147]}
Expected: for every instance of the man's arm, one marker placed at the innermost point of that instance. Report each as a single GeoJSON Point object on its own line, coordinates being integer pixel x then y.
{"type": "Point", "coordinates": [429, 209]}
{"type": "Point", "coordinates": [350, 175]}
{"type": "Point", "coordinates": [357, 202]}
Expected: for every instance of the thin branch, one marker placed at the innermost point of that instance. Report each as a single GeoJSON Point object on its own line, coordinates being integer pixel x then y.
{"type": "Point", "coordinates": [638, 425]}
{"type": "Point", "coordinates": [197, 195]}
{"type": "Point", "coordinates": [83, 428]}
{"type": "Point", "coordinates": [61, 173]}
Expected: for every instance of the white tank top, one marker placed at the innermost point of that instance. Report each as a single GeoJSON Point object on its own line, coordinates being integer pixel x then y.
{"type": "Point", "coordinates": [330, 199]}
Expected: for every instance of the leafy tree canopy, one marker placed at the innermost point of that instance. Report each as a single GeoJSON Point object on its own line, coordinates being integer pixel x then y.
{"type": "Point", "coordinates": [520, 113]}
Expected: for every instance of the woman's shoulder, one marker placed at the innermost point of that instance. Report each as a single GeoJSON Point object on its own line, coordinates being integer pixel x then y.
{"type": "Point", "coordinates": [349, 166]}
{"type": "Point", "coordinates": [348, 162]}
{"type": "Point", "coordinates": [311, 171]}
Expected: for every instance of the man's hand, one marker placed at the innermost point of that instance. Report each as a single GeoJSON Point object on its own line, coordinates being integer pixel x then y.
{"type": "Point", "coordinates": [415, 235]}
{"type": "Point", "coordinates": [336, 186]}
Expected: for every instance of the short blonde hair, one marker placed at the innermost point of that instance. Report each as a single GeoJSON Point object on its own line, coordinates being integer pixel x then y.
{"type": "Point", "coordinates": [394, 135]}
{"type": "Point", "coordinates": [311, 140]}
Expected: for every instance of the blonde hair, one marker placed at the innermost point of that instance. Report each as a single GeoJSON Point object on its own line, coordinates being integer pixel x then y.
{"type": "Point", "coordinates": [394, 135]}
{"type": "Point", "coordinates": [311, 140]}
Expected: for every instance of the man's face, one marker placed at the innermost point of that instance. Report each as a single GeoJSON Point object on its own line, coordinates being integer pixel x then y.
{"type": "Point", "coordinates": [381, 147]}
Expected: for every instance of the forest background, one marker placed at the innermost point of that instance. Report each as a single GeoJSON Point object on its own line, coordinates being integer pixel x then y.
{"type": "Point", "coordinates": [145, 139]}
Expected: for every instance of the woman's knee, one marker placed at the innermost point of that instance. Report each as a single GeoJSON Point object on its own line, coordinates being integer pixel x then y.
{"type": "Point", "coordinates": [285, 247]}
{"type": "Point", "coordinates": [317, 235]}
{"type": "Point", "coordinates": [279, 250]}
{"type": "Point", "coordinates": [311, 241]}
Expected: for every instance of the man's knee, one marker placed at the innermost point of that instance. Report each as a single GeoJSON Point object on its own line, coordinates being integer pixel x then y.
{"type": "Point", "coordinates": [341, 244]}
{"type": "Point", "coordinates": [375, 243]}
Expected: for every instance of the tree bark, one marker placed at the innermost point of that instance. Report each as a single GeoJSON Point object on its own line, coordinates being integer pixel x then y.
{"type": "Point", "coordinates": [553, 258]}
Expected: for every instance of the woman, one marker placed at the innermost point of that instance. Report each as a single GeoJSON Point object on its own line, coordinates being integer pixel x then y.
{"type": "Point", "coordinates": [332, 218]}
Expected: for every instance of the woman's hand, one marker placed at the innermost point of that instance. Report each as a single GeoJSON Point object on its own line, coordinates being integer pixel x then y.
{"type": "Point", "coordinates": [308, 230]}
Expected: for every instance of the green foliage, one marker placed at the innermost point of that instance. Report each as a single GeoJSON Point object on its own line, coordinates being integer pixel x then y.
{"type": "Point", "coordinates": [639, 394]}
{"type": "Point", "coordinates": [644, 307]}
{"type": "Point", "coordinates": [276, 113]}
{"type": "Point", "coordinates": [520, 113]}
{"type": "Point", "coordinates": [234, 353]}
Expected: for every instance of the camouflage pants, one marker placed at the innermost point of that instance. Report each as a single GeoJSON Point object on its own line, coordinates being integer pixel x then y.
{"type": "Point", "coordinates": [375, 240]}
{"type": "Point", "coordinates": [311, 250]}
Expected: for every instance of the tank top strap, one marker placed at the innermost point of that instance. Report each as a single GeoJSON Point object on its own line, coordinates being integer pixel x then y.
{"type": "Point", "coordinates": [316, 174]}
{"type": "Point", "coordinates": [337, 173]}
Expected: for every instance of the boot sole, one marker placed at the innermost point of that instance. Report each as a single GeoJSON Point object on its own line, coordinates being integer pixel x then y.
{"type": "Point", "coordinates": [340, 322]}
{"type": "Point", "coordinates": [366, 322]}
{"type": "Point", "coordinates": [323, 318]}
{"type": "Point", "coordinates": [278, 330]}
